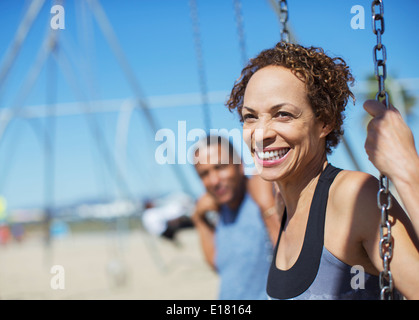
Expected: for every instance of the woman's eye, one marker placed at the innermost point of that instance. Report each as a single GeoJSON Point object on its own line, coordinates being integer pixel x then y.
{"type": "Point", "coordinates": [248, 116]}
{"type": "Point", "coordinates": [283, 115]}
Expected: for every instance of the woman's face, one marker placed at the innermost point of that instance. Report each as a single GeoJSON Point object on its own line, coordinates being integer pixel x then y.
{"type": "Point", "coordinates": [279, 125]}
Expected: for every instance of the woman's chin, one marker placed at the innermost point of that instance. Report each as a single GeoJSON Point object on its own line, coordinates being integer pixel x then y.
{"type": "Point", "coordinates": [268, 174]}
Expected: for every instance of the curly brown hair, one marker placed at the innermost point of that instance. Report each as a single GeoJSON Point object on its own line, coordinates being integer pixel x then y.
{"type": "Point", "coordinates": [326, 81]}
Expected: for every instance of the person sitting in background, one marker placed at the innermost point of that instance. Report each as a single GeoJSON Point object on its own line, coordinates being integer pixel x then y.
{"type": "Point", "coordinates": [168, 215]}
{"type": "Point", "coordinates": [238, 246]}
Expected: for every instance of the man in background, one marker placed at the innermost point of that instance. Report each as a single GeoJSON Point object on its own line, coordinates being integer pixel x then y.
{"type": "Point", "coordinates": [238, 246]}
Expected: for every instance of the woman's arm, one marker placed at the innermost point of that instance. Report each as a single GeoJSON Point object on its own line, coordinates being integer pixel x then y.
{"type": "Point", "coordinates": [404, 264]}
{"type": "Point", "coordinates": [391, 148]}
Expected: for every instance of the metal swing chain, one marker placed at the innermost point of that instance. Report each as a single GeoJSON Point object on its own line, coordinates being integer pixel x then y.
{"type": "Point", "coordinates": [383, 196]}
{"type": "Point", "coordinates": [283, 18]}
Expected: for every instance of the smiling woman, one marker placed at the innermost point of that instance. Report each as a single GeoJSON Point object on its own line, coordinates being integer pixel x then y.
{"type": "Point", "coordinates": [325, 78]}
{"type": "Point", "coordinates": [291, 100]}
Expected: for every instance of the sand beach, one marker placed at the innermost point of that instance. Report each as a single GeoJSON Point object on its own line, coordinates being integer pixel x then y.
{"type": "Point", "coordinates": [106, 265]}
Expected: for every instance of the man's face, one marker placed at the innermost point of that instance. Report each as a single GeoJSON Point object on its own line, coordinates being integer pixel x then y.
{"type": "Point", "coordinates": [221, 178]}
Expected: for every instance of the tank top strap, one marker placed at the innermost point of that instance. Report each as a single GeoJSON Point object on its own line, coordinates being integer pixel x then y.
{"type": "Point", "coordinates": [301, 275]}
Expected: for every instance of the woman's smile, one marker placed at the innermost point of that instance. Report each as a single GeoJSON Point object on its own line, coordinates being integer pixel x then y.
{"type": "Point", "coordinates": [270, 157]}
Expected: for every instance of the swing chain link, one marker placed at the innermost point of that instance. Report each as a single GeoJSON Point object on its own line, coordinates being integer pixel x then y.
{"type": "Point", "coordinates": [383, 195]}
{"type": "Point", "coordinates": [380, 66]}
{"type": "Point", "coordinates": [283, 18]}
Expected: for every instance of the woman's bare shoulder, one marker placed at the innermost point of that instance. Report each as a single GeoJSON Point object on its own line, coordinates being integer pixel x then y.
{"type": "Point", "coordinates": [354, 194]}
{"type": "Point", "coordinates": [354, 184]}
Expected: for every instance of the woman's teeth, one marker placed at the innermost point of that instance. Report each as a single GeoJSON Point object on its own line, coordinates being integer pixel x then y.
{"type": "Point", "coordinates": [272, 155]}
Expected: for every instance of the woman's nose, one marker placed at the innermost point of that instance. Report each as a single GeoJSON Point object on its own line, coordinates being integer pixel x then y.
{"type": "Point", "coordinates": [263, 135]}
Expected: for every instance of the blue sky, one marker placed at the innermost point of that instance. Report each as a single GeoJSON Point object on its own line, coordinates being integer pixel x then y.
{"type": "Point", "coordinates": [158, 43]}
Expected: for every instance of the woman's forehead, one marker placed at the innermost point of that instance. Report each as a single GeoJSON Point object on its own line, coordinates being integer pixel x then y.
{"type": "Point", "coordinates": [274, 85]}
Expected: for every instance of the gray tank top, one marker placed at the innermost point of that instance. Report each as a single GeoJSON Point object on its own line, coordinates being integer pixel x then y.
{"type": "Point", "coordinates": [318, 274]}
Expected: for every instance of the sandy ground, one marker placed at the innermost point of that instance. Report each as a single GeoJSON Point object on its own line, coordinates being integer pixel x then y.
{"type": "Point", "coordinates": [103, 265]}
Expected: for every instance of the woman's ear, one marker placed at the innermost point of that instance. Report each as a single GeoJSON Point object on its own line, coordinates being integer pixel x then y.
{"type": "Point", "coordinates": [326, 129]}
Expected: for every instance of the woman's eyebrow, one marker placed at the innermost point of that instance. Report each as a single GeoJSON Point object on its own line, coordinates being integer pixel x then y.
{"type": "Point", "coordinates": [248, 108]}
{"type": "Point", "coordinates": [277, 106]}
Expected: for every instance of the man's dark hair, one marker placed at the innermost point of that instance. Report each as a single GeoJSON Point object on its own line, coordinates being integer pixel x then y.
{"type": "Point", "coordinates": [225, 143]}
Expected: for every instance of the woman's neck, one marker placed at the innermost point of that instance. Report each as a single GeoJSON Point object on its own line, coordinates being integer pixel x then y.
{"type": "Point", "coordinates": [297, 191]}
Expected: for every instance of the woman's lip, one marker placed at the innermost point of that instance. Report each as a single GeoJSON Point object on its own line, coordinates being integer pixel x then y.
{"type": "Point", "coordinates": [268, 149]}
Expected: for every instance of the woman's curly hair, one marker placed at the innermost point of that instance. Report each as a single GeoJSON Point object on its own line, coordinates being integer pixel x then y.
{"type": "Point", "coordinates": [326, 81]}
